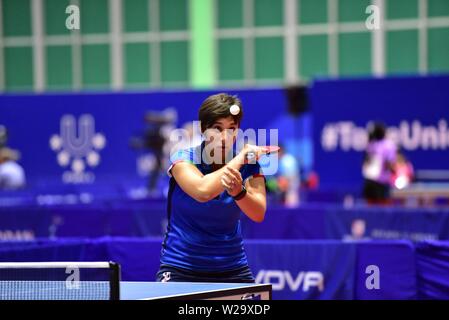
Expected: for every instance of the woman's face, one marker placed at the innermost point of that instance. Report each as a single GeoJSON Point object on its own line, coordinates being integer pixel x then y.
{"type": "Point", "coordinates": [221, 136]}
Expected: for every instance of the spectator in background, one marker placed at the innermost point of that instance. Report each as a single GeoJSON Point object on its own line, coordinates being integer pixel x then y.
{"type": "Point", "coordinates": [286, 183]}
{"type": "Point", "coordinates": [378, 165]}
{"type": "Point", "coordinates": [3, 136]}
{"type": "Point", "coordinates": [159, 126]}
{"type": "Point", "coordinates": [156, 140]}
{"type": "Point", "coordinates": [12, 175]}
{"type": "Point", "coordinates": [403, 171]}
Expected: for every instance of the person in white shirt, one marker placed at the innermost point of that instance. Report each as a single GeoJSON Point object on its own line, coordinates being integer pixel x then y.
{"type": "Point", "coordinates": [12, 175]}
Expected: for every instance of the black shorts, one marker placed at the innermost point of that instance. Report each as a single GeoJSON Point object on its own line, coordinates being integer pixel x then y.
{"type": "Point", "coordinates": [168, 273]}
{"type": "Point", "coordinates": [376, 191]}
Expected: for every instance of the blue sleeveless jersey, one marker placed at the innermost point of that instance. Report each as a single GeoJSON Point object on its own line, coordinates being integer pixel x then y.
{"type": "Point", "coordinates": [203, 236]}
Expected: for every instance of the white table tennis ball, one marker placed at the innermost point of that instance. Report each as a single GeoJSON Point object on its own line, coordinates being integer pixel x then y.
{"type": "Point", "coordinates": [235, 109]}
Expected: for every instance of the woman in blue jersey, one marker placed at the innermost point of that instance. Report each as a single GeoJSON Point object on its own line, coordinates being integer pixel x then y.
{"type": "Point", "coordinates": [210, 186]}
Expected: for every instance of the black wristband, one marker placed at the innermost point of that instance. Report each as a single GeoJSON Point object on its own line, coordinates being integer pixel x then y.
{"type": "Point", "coordinates": [241, 194]}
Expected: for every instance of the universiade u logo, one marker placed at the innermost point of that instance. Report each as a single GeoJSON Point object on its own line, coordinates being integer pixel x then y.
{"type": "Point", "coordinates": [78, 149]}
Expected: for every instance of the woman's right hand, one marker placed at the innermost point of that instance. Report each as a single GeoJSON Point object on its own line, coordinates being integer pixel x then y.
{"type": "Point", "coordinates": [252, 153]}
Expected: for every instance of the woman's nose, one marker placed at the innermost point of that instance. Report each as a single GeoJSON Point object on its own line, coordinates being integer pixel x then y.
{"type": "Point", "coordinates": [226, 136]}
{"type": "Point", "coordinates": [227, 132]}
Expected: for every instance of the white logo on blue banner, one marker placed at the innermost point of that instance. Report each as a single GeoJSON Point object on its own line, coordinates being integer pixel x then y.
{"type": "Point", "coordinates": [347, 136]}
{"type": "Point", "coordinates": [372, 282]}
{"type": "Point", "coordinates": [77, 150]}
{"type": "Point", "coordinates": [281, 279]}
{"type": "Point", "coordinates": [73, 280]}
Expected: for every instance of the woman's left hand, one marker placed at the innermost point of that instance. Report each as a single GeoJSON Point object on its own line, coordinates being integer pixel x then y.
{"type": "Point", "coordinates": [232, 181]}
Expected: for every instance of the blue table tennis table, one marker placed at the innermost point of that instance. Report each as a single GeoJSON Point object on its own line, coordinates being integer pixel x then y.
{"type": "Point", "coordinates": [424, 193]}
{"type": "Point", "coordinates": [64, 281]}
{"type": "Point", "coordinates": [191, 290]}
{"type": "Point", "coordinates": [100, 290]}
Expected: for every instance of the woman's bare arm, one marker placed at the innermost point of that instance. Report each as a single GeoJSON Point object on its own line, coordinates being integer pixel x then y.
{"type": "Point", "coordinates": [203, 187]}
{"type": "Point", "coordinates": [254, 203]}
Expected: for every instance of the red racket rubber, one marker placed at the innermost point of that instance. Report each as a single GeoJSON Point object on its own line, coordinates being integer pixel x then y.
{"type": "Point", "coordinates": [271, 149]}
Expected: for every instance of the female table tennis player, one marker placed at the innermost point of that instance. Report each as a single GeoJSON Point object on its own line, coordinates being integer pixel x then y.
{"type": "Point", "coordinates": [203, 241]}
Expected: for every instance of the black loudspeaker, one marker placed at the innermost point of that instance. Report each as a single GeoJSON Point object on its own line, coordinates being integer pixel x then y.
{"type": "Point", "coordinates": [297, 100]}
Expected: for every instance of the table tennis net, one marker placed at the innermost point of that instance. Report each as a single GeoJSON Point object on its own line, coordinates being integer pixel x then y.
{"type": "Point", "coordinates": [59, 281]}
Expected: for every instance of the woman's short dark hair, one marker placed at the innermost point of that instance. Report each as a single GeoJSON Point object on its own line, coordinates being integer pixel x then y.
{"type": "Point", "coordinates": [376, 131]}
{"type": "Point", "coordinates": [216, 107]}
